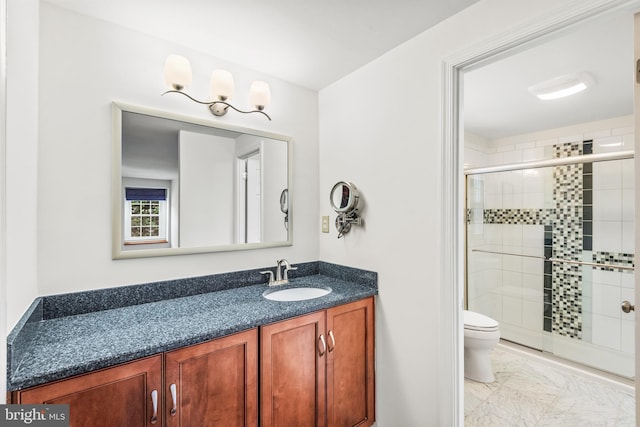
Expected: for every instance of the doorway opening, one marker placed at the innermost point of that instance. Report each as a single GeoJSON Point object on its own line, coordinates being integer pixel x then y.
{"type": "Point", "coordinates": [249, 197]}
{"type": "Point", "coordinates": [454, 232]}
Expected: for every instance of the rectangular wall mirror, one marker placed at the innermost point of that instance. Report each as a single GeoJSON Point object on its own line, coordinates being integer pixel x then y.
{"type": "Point", "coordinates": [183, 185]}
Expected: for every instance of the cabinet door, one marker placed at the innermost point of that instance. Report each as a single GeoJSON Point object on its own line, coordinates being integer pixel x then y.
{"type": "Point", "coordinates": [350, 364]}
{"type": "Point", "coordinates": [214, 383]}
{"type": "Point", "coordinates": [292, 388]}
{"type": "Point", "coordinates": [118, 396]}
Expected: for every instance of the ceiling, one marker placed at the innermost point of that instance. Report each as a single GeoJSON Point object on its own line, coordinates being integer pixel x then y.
{"type": "Point", "coordinates": [150, 144]}
{"type": "Point", "coordinates": [308, 43]}
{"type": "Point", "coordinates": [497, 103]}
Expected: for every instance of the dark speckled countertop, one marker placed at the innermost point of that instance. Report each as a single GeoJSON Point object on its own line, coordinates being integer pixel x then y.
{"type": "Point", "coordinates": [51, 343]}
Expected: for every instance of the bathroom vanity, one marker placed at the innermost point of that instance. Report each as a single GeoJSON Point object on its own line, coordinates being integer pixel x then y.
{"type": "Point", "coordinates": [227, 356]}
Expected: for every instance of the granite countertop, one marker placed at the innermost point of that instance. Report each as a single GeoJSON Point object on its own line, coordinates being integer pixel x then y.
{"type": "Point", "coordinates": [59, 347]}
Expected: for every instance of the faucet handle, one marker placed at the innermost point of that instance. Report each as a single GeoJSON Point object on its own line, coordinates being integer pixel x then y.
{"type": "Point", "coordinates": [269, 274]}
{"type": "Point", "coordinates": [286, 271]}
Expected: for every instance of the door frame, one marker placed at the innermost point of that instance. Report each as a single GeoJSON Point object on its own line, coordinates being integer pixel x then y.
{"type": "Point", "coordinates": [451, 367]}
{"type": "Point", "coordinates": [636, 179]}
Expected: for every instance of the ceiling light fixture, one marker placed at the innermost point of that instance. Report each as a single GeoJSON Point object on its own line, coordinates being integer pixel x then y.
{"type": "Point", "coordinates": [177, 74]}
{"type": "Point", "coordinates": [562, 86]}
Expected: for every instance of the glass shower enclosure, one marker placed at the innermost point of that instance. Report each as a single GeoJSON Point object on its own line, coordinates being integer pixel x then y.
{"type": "Point", "coordinates": [550, 253]}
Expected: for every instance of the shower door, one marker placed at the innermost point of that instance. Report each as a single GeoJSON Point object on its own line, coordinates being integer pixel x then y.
{"type": "Point", "coordinates": [550, 248]}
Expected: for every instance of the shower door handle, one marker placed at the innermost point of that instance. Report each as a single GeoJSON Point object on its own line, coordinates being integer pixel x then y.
{"type": "Point", "coordinates": [626, 306]}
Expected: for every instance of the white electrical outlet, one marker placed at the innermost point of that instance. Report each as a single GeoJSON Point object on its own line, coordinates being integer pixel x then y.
{"type": "Point", "coordinates": [325, 224]}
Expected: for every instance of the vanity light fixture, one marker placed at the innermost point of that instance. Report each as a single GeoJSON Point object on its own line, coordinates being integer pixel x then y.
{"type": "Point", "coordinates": [562, 86]}
{"type": "Point", "coordinates": [177, 74]}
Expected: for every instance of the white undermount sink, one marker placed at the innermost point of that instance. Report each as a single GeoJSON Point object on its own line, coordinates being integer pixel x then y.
{"type": "Point", "coordinates": [296, 294]}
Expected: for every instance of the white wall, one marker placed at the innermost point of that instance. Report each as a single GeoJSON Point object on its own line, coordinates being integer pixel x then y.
{"type": "Point", "coordinates": [380, 127]}
{"type": "Point", "coordinates": [21, 157]}
{"type": "Point", "coordinates": [207, 165]}
{"type": "Point", "coordinates": [84, 65]}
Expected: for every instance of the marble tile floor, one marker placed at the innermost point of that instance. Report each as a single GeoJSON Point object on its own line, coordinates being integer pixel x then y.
{"type": "Point", "coordinates": [531, 390]}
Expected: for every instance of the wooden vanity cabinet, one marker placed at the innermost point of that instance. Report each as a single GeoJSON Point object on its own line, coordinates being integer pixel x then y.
{"type": "Point", "coordinates": [118, 396]}
{"type": "Point", "coordinates": [292, 372]}
{"type": "Point", "coordinates": [351, 365]}
{"type": "Point", "coordinates": [317, 370]}
{"type": "Point", "coordinates": [212, 384]}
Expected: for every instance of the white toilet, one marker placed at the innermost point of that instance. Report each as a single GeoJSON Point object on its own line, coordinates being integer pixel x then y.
{"type": "Point", "coordinates": [481, 334]}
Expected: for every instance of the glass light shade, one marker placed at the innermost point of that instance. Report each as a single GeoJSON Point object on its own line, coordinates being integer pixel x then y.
{"type": "Point", "coordinates": [177, 71]}
{"type": "Point", "coordinates": [562, 86]}
{"type": "Point", "coordinates": [260, 94]}
{"type": "Point", "coordinates": [222, 85]}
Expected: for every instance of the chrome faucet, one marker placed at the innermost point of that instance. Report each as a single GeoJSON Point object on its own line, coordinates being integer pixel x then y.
{"type": "Point", "coordinates": [285, 272]}
{"type": "Point", "coordinates": [282, 275]}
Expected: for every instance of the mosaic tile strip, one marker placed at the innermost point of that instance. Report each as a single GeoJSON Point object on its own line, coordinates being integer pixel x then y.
{"type": "Point", "coordinates": [587, 199]}
{"type": "Point", "coordinates": [567, 243]}
{"type": "Point", "coordinates": [518, 216]}
{"type": "Point", "coordinates": [613, 258]}
{"type": "Point", "coordinates": [547, 312]}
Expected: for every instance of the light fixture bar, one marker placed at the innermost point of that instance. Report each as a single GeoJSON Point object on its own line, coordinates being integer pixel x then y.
{"type": "Point", "coordinates": [214, 106]}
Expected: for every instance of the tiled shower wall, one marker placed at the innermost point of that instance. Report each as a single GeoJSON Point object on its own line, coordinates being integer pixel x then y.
{"type": "Point", "coordinates": [590, 210]}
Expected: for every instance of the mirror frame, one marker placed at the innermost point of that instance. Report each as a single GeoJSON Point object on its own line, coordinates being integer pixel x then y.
{"type": "Point", "coordinates": [117, 108]}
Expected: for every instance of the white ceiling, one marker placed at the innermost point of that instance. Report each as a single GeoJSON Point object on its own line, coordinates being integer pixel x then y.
{"type": "Point", "coordinates": [150, 144]}
{"type": "Point", "coordinates": [308, 43]}
{"type": "Point", "coordinates": [496, 100]}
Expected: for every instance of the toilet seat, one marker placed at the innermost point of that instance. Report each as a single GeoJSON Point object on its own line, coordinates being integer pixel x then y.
{"type": "Point", "coordinates": [479, 322]}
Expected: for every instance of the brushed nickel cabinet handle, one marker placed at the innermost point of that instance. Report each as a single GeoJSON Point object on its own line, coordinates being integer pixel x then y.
{"type": "Point", "coordinates": [322, 349]}
{"type": "Point", "coordinates": [332, 343]}
{"type": "Point", "coordinates": [154, 402]}
{"type": "Point", "coordinates": [174, 398]}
